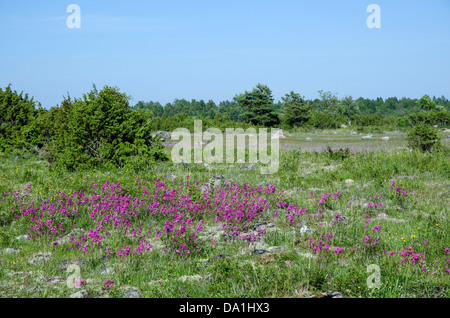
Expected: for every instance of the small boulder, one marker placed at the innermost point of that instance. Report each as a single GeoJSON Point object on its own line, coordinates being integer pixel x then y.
{"type": "Point", "coordinates": [306, 230]}
{"type": "Point", "coordinates": [131, 293]}
{"type": "Point", "coordinates": [385, 138]}
{"type": "Point", "coordinates": [80, 294]}
{"type": "Point", "coordinates": [23, 237]}
{"type": "Point", "coordinates": [278, 135]}
{"type": "Point", "coordinates": [10, 250]}
{"type": "Point", "coordinates": [40, 258]}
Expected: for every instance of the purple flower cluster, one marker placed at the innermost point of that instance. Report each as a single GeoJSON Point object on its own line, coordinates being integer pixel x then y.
{"type": "Point", "coordinates": [183, 207]}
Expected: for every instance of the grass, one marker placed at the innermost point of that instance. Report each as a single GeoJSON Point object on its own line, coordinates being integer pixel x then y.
{"type": "Point", "coordinates": [230, 268]}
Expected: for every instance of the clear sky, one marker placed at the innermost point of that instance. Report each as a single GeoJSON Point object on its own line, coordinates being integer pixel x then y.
{"type": "Point", "coordinates": [210, 49]}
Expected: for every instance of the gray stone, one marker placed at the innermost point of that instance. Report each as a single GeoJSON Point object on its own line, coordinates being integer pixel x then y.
{"type": "Point", "coordinates": [107, 173]}
{"type": "Point", "coordinates": [23, 237]}
{"type": "Point", "coordinates": [107, 271]}
{"type": "Point", "coordinates": [131, 293]}
{"type": "Point", "coordinates": [170, 176]}
{"type": "Point", "coordinates": [278, 135]}
{"type": "Point", "coordinates": [306, 230]}
{"type": "Point", "coordinates": [35, 288]}
{"type": "Point", "coordinates": [40, 258]}
{"type": "Point", "coordinates": [10, 250]}
{"type": "Point", "coordinates": [366, 137]}
{"type": "Point", "coordinates": [193, 278]}
{"type": "Point", "coordinates": [55, 280]}
{"type": "Point", "coordinates": [251, 166]}
{"type": "Point", "coordinates": [80, 294]}
{"type": "Point", "coordinates": [308, 139]}
{"type": "Point", "coordinates": [260, 252]}
{"type": "Point", "coordinates": [277, 248]}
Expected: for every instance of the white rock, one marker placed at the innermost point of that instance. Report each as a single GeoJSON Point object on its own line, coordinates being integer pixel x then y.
{"type": "Point", "coordinates": [80, 294]}
{"type": "Point", "coordinates": [132, 293]}
{"type": "Point", "coordinates": [107, 271]}
{"type": "Point", "coordinates": [308, 139]}
{"type": "Point", "coordinates": [23, 237]}
{"type": "Point", "coordinates": [385, 138]}
{"type": "Point", "coordinates": [366, 137]}
{"type": "Point", "coordinates": [349, 181]}
{"type": "Point", "coordinates": [304, 229]}
{"type": "Point", "coordinates": [10, 250]}
{"type": "Point", "coordinates": [278, 135]}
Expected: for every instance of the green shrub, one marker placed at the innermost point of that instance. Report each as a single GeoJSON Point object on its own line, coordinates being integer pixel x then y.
{"type": "Point", "coordinates": [16, 113]}
{"type": "Point", "coordinates": [424, 138]}
{"type": "Point", "coordinates": [338, 154]}
{"type": "Point", "coordinates": [102, 129]}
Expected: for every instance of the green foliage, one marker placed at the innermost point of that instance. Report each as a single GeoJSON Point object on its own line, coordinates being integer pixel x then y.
{"type": "Point", "coordinates": [424, 138]}
{"type": "Point", "coordinates": [329, 103]}
{"type": "Point", "coordinates": [324, 120]}
{"type": "Point", "coordinates": [297, 112]}
{"type": "Point", "coordinates": [101, 129]}
{"type": "Point", "coordinates": [426, 103]}
{"type": "Point", "coordinates": [338, 154]}
{"type": "Point", "coordinates": [348, 107]}
{"type": "Point", "coordinates": [16, 112]}
{"type": "Point", "coordinates": [258, 106]}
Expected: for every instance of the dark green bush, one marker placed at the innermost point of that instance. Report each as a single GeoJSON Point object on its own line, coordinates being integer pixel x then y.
{"type": "Point", "coordinates": [102, 129]}
{"type": "Point", "coordinates": [338, 154]}
{"type": "Point", "coordinates": [424, 138]}
{"type": "Point", "coordinates": [16, 113]}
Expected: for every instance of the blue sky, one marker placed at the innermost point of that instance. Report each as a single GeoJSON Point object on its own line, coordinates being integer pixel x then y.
{"type": "Point", "coordinates": [198, 49]}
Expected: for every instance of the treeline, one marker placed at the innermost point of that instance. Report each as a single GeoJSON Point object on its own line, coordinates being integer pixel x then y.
{"type": "Point", "coordinates": [390, 107]}
{"type": "Point", "coordinates": [101, 128]}
{"type": "Point", "coordinates": [258, 108]}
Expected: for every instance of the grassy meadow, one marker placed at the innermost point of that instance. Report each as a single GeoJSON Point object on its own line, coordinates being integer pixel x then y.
{"type": "Point", "coordinates": [224, 230]}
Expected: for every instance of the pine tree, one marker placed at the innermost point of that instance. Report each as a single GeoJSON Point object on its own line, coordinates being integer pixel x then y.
{"type": "Point", "coordinates": [297, 112]}
{"type": "Point", "coordinates": [258, 106]}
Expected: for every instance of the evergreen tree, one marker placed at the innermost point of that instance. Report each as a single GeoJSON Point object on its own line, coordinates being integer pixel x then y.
{"type": "Point", "coordinates": [258, 106]}
{"type": "Point", "coordinates": [297, 112]}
